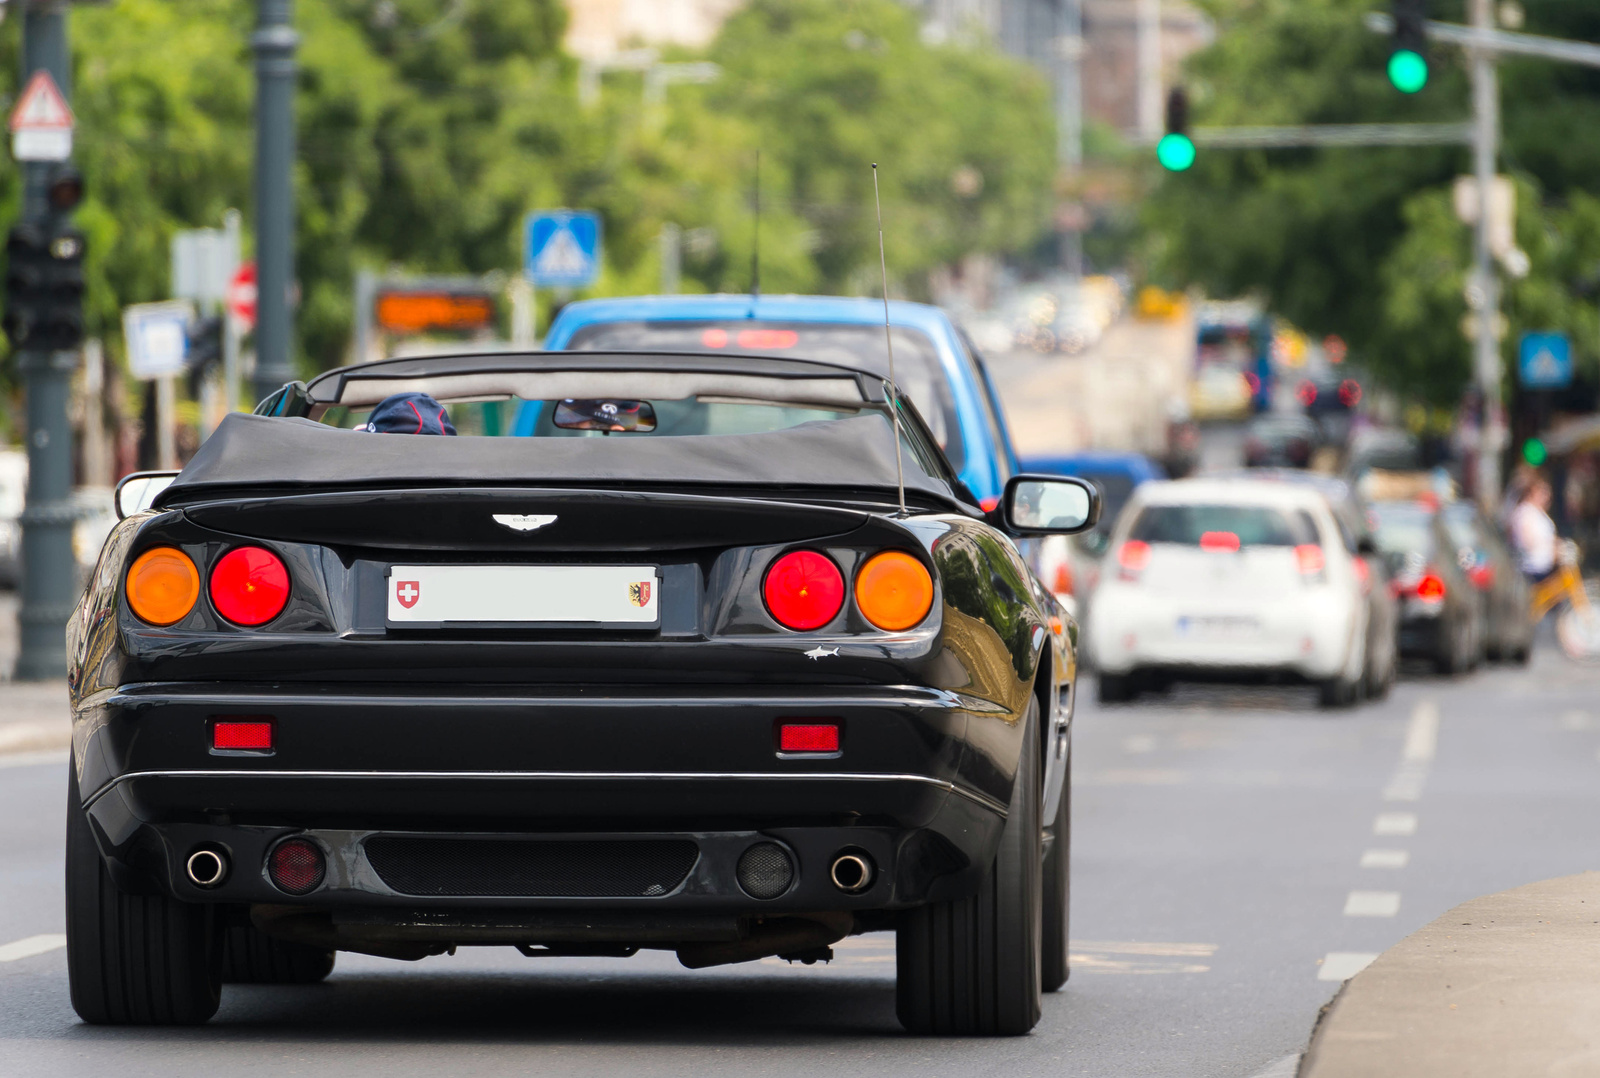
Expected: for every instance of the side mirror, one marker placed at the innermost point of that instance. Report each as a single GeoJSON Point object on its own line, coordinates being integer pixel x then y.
{"type": "Point", "coordinates": [1050, 505]}
{"type": "Point", "coordinates": [136, 492]}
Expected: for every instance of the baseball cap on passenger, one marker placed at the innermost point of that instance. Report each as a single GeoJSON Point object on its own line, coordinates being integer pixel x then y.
{"type": "Point", "coordinates": [409, 413]}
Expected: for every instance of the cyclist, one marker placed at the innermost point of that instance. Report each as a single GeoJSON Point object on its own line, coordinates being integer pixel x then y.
{"type": "Point", "coordinates": [1533, 532]}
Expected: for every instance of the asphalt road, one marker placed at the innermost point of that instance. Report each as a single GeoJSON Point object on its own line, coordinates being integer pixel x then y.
{"type": "Point", "coordinates": [1217, 864]}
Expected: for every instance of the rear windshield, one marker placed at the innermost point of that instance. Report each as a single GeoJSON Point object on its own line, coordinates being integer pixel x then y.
{"type": "Point", "coordinates": [916, 361]}
{"type": "Point", "coordinates": [1402, 528]}
{"type": "Point", "coordinates": [1254, 525]}
{"type": "Point", "coordinates": [515, 417]}
{"type": "Point", "coordinates": [1461, 521]}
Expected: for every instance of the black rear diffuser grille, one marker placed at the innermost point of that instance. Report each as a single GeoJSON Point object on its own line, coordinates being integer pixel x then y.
{"type": "Point", "coordinates": [532, 868]}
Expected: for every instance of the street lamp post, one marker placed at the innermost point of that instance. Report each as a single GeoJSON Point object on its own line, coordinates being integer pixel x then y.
{"type": "Point", "coordinates": [274, 43]}
{"type": "Point", "coordinates": [1487, 361]}
{"type": "Point", "coordinates": [47, 519]}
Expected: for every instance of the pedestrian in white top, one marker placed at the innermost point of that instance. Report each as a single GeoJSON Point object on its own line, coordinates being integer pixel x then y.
{"type": "Point", "coordinates": [1533, 532]}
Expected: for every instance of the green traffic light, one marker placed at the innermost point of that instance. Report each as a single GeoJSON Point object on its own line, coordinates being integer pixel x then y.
{"type": "Point", "coordinates": [1534, 452]}
{"type": "Point", "coordinates": [1408, 71]}
{"type": "Point", "coordinates": [1175, 152]}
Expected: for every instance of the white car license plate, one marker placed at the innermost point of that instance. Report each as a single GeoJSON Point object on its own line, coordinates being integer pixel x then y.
{"type": "Point", "coordinates": [625, 596]}
{"type": "Point", "coordinates": [1219, 627]}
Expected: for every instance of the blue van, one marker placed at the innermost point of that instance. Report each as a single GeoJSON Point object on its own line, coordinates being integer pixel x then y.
{"type": "Point", "coordinates": [934, 363]}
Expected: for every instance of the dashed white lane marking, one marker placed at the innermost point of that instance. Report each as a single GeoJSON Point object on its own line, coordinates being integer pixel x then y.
{"type": "Point", "coordinates": [1576, 720]}
{"type": "Point", "coordinates": [1395, 823]}
{"type": "Point", "coordinates": [1342, 965]}
{"type": "Point", "coordinates": [1372, 904]}
{"type": "Point", "coordinates": [27, 948]}
{"type": "Point", "coordinates": [1385, 859]}
{"type": "Point", "coordinates": [1416, 757]}
{"type": "Point", "coordinates": [1139, 743]}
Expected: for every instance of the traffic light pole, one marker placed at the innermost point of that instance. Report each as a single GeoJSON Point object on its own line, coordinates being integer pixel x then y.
{"type": "Point", "coordinates": [49, 567]}
{"type": "Point", "coordinates": [1488, 363]}
{"type": "Point", "coordinates": [274, 43]}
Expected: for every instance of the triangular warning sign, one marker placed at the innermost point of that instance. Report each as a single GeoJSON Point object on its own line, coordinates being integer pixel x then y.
{"type": "Point", "coordinates": [562, 256]}
{"type": "Point", "coordinates": [41, 105]}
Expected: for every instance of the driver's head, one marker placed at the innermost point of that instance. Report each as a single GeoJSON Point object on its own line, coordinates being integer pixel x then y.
{"type": "Point", "coordinates": [409, 413]}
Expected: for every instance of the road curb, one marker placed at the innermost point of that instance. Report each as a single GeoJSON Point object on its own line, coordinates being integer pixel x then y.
{"type": "Point", "coordinates": [1504, 984]}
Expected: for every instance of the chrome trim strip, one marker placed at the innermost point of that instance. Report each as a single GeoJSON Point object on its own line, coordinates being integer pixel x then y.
{"type": "Point", "coordinates": [758, 776]}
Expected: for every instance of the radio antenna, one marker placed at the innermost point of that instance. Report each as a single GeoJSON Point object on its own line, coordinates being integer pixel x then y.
{"type": "Point", "coordinates": [888, 340]}
{"type": "Point", "coordinates": [755, 250]}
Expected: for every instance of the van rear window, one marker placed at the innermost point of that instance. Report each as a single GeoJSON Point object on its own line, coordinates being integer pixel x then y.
{"type": "Point", "coordinates": [1253, 525]}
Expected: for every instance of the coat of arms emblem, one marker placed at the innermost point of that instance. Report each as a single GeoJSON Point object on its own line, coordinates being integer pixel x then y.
{"type": "Point", "coordinates": [639, 594]}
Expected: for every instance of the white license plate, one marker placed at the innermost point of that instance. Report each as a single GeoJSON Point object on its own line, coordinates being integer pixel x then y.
{"type": "Point", "coordinates": [606, 595]}
{"type": "Point", "coordinates": [1219, 627]}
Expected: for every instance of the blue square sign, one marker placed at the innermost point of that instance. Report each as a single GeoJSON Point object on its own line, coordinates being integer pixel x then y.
{"type": "Point", "coordinates": [561, 248]}
{"type": "Point", "coordinates": [1545, 361]}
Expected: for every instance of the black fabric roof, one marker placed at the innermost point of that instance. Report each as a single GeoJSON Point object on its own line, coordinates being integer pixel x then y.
{"type": "Point", "coordinates": [856, 453]}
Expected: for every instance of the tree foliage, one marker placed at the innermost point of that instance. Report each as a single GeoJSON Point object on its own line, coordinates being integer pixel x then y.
{"type": "Point", "coordinates": [428, 128]}
{"type": "Point", "coordinates": [1363, 241]}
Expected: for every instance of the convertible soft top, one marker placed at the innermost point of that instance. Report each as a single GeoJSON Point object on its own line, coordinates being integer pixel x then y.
{"type": "Point", "coordinates": [855, 453]}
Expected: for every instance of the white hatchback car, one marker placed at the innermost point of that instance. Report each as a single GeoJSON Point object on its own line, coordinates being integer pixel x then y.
{"type": "Point", "coordinates": [1229, 580]}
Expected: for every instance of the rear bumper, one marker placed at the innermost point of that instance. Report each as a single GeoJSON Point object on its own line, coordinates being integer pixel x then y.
{"type": "Point", "coordinates": [907, 787]}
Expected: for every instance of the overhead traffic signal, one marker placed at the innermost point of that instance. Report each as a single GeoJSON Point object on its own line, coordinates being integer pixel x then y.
{"type": "Point", "coordinates": [1408, 62]}
{"type": "Point", "coordinates": [1176, 150]}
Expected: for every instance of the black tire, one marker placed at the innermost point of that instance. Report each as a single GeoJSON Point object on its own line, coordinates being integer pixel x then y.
{"type": "Point", "coordinates": [1117, 688]}
{"type": "Point", "coordinates": [144, 960]}
{"type": "Point", "coordinates": [972, 966]}
{"type": "Point", "coordinates": [1055, 919]}
{"type": "Point", "coordinates": [250, 956]}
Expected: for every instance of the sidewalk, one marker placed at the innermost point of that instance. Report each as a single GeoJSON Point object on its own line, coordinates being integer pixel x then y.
{"type": "Point", "coordinates": [33, 715]}
{"type": "Point", "coordinates": [1508, 984]}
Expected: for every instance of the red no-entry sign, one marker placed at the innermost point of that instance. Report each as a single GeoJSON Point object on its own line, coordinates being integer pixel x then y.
{"type": "Point", "coordinates": [242, 296]}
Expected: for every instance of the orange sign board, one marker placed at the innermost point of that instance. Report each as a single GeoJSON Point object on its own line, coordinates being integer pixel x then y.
{"type": "Point", "coordinates": [434, 310]}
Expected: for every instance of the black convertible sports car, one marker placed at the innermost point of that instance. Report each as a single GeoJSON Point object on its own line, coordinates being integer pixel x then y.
{"type": "Point", "coordinates": [666, 665]}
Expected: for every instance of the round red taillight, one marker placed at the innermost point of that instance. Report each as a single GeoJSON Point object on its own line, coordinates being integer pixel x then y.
{"type": "Point", "coordinates": [804, 590]}
{"type": "Point", "coordinates": [249, 586]}
{"type": "Point", "coordinates": [296, 866]}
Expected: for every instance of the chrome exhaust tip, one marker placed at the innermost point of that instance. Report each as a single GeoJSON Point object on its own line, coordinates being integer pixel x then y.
{"type": "Point", "coordinates": [852, 873]}
{"type": "Point", "coordinates": [206, 867]}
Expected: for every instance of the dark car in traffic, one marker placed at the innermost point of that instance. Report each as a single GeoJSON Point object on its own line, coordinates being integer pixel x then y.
{"type": "Point", "coordinates": [1492, 569]}
{"type": "Point", "coordinates": [1280, 440]}
{"type": "Point", "coordinates": [1441, 611]}
{"type": "Point", "coordinates": [718, 657]}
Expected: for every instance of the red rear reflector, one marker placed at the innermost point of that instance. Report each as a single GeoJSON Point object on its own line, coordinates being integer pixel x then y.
{"type": "Point", "coordinates": [793, 737]}
{"type": "Point", "coordinates": [253, 734]}
{"type": "Point", "coordinates": [768, 338]}
{"type": "Point", "coordinates": [1430, 588]}
{"type": "Point", "coordinates": [1224, 542]}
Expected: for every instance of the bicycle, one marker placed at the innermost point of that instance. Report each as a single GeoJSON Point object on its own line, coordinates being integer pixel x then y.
{"type": "Point", "coordinates": [1578, 625]}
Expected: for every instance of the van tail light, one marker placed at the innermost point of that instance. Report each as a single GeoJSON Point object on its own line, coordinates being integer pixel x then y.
{"type": "Point", "coordinates": [162, 586]}
{"type": "Point", "coordinates": [1430, 589]}
{"type": "Point", "coordinates": [894, 591]}
{"type": "Point", "coordinates": [1132, 558]}
{"type": "Point", "coordinates": [249, 586]}
{"type": "Point", "coordinates": [804, 590]}
{"type": "Point", "coordinates": [1482, 576]}
{"type": "Point", "coordinates": [1311, 560]}
{"type": "Point", "coordinates": [1220, 542]}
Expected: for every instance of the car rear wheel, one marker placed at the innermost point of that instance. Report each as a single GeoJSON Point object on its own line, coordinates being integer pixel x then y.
{"type": "Point", "coordinates": [1058, 891]}
{"type": "Point", "coordinates": [250, 956]}
{"type": "Point", "coordinates": [143, 960]}
{"type": "Point", "coordinates": [972, 966]}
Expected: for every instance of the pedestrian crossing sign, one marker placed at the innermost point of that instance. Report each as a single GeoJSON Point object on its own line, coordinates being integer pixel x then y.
{"type": "Point", "coordinates": [561, 248]}
{"type": "Point", "coordinates": [1545, 361]}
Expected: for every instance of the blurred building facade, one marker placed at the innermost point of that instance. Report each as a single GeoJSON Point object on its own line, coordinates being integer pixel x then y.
{"type": "Point", "coordinates": [599, 29]}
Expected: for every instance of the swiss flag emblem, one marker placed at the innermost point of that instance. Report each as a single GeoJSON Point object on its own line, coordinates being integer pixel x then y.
{"type": "Point", "coordinates": [408, 592]}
